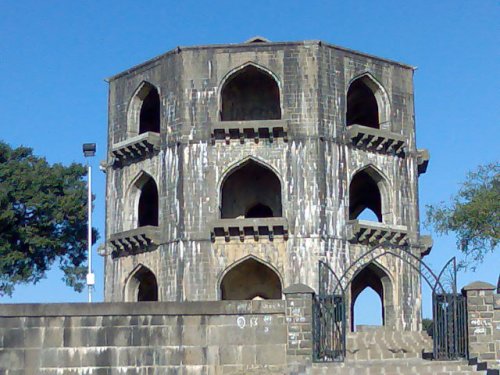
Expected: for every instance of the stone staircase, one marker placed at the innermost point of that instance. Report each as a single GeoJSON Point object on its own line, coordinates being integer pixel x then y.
{"type": "Point", "coordinates": [385, 352]}
{"type": "Point", "coordinates": [396, 367]}
{"type": "Point", "coordinates": [387, 344]}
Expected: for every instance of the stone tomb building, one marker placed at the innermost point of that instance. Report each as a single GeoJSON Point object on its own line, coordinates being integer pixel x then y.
{"type": "Point", "coordinates": [232, 170]}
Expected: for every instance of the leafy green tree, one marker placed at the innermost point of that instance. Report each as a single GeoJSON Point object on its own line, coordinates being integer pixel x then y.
{"type": "Point", "coordinates": [473, 215]}
{"type": "Point", "coordinates": [42, 219]}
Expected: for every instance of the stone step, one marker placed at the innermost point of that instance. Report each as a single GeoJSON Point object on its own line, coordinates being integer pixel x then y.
{"type": "Point", "coordinates": [382, 351]}
{"type": "Point", "coordinates": [378, 354]}
{"type": "Point", "coordinates": [389, 335]}
{"type": "Point", "coordinates": [386, 344]}
{"type": "Point", "coordinates": [396, 367]}
{"type": "Point", "coordinates": [403, 337]}
{"type": "Point", "coordinates": [390, 346]}
{"type": "Point", "coordinates": [389, 371]}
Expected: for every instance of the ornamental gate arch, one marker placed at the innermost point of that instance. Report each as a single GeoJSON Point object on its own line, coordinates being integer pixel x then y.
{"type": "Point", "coordinates": [448, 307]}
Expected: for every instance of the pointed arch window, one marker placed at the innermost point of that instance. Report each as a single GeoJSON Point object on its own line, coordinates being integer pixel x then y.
{"type": "Point", "coordinates": [143, 127]}
{"type": "Point", "coordinates": [374, 277]}
{"type": "Point", "coordinates": [148, 204]}
{"type": "Point", "coordinates": [144, 194]}
{"type": "Point", "coordinates": [251, 190]}
{"type": "Point", "coordinates": [362, 107]}
{"type": "Point", "coordinates": [250, 94]}
{"type": "Point", "coordinates": [367, 103]}
{"type": "Point", "coordinates": [371, 220]}
{"type": "Point", "coordinates": [367, 193]}
{"type": "Point", "coordinates": [144, 114]}
{"type": "Point", "coordinates": [142, 285]}
{"type": "Point", "coordinates": [149, 118]}
{"type": "Point", "coordinates": [142, 232]}
{"type": "Point", "coordinates": [250, 279]}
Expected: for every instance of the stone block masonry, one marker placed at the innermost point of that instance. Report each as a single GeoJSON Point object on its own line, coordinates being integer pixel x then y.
{"type": "Point", "coordinates": [236, 337]}
{"type": "Point", "coordinates": [483, 308]}
{"type": "Point", "coordinates": [272, 172]}
{"type": "Point", "coordinates": [299, 322]}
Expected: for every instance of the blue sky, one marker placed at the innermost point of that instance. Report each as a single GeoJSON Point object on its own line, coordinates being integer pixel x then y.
{"type": "Point", "coordinates": [55, 55]}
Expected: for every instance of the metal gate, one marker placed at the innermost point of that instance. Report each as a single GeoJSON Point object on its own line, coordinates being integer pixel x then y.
{"type": "Point", "coordinates": [449, 315]}
{"type": "Point", "coordinates": [449, 308]}
{"type": "Point", "coordinates": [329, 317]}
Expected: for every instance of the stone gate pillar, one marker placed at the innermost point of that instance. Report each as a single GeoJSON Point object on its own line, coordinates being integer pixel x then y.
{"type": "Point", "coordinates": [483, 323]}
{"type": "Point", "coordinates": [299, 299]}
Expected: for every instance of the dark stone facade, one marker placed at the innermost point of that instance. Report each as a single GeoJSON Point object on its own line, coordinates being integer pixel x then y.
{"type": "Point", "coordinates": [310, 149]}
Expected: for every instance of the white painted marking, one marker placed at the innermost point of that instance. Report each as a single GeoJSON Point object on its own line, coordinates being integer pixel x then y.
{"type": "Point", "coordinates": [241, 322]}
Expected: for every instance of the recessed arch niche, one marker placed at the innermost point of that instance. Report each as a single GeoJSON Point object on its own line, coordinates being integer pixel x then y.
{"type": "Point", "coordinates": [141, 285]}
{"type": "Point", "coordinates": [367, 103]}
{"type": "Point", "coordinates": [250, 279]}
{"type": "Point", "coordinates": [251, 190]}
{"type": "Point", "coordinates": [250, 93]}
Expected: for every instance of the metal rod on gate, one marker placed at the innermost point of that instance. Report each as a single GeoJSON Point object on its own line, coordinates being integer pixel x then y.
{"type": "Point", "coordinates": [344, 322]}
{"type": "Point", "coordinates": [434, 327]}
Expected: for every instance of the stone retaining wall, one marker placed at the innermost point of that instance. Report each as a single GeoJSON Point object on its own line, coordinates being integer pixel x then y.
{"type": "Point", "coordinates": [233, 337]}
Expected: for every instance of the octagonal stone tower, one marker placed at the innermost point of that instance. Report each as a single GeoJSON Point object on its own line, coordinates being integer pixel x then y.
{"type": "Point", "coordinates": [232, 170]}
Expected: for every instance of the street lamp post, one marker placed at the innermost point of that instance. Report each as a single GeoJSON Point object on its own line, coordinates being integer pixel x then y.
{"type": "Point", "coordinates": [88, 151]}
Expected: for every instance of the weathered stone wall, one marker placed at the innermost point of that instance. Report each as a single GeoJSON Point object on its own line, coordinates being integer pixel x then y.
{"type": "Point", "coordinates": [483, 322]}
{"type": "Point", "coordinates": [315, 167]}
{"type": "Point", "coordinates": [238, 337]}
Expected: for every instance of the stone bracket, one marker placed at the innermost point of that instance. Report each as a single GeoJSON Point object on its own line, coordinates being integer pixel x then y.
{"type": "Point", "coordinates": [134, 241]}
{"type": "Point", "coordinates": [239, 131]}
{"type": "Point", "coordinates": [243, 228]}
{"type": "Point", "coordinates": [377, 140]}
{"type": "Point", "coordinates": [423, 157]}
{"type": "Point", "coordinates": [135, 148]}
{"type": "Point", "coordinates": [367, 232]}
{"type": "Point", "coordinates": [425, 244]}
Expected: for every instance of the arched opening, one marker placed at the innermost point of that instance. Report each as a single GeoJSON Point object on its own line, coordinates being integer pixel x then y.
{"type": "Point", "coordinates": [250, 94]}
{"type": "Point", "coordinates": [149, 118]}
{"type": "Point", "coordinates": [366, 308]}
{"type": "Point", "coordinates": [250, 279]}
{"type": "Point", "coordinates": [375, 279]}
{"type": "Point", "coordinates": [251, 191]}
{"type": "Point", "coordinates": [364, 194]}
{"type": "Point", "coordinates": [142, 285]}
{"type": "Point", "coordinates": [148, 204]}
{"type": "Point", "coordinates": [362, 106]}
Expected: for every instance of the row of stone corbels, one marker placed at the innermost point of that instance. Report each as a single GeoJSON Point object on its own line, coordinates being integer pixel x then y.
{"type": "Point", "coordinates": [360, 136]}
{"type": "Point", "coordinates": [483, 323]}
